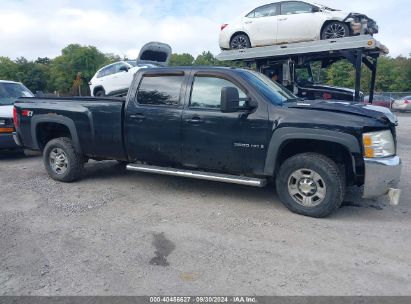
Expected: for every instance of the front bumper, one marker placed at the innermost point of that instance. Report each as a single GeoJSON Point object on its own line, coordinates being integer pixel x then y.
{"type": "Point", "coordinates": [382, 176]}
{"type": "Point", "coordinates": [7, 141]}
{"type": "Point", "coordinates": [362, 25]}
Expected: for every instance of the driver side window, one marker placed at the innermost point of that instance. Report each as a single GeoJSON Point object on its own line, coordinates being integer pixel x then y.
{"type": "Point", "coordinates": [206, 92]}
{"type": "Point", "coordinates": [120, 65]}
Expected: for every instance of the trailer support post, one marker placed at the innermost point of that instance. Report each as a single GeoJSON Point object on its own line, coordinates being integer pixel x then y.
{"type": "Point", "coordinates": [358, 63]}
{"type": "Point", "coordinates": [373, 79]}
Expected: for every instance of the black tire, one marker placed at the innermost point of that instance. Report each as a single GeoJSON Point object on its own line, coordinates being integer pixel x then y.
{"type": "Point", "coordinates": [122, 164]}
{"type": "Point", "coordinates": [332, 183]}
{"type": "Point", "coordinates": [72, 168]}
{"type": "Point", "coordinates": [240, 41]}
{"type": "Point", "coordinates": [335, 30]}
{"type": "Point", "coordinates": [100, 93]}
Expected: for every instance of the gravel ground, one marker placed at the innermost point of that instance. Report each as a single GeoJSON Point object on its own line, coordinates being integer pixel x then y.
{"type": "Point", "coordinates": [123, 233]}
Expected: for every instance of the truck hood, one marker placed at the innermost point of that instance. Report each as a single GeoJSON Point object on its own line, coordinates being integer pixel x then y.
{"type": "Point", "coordinates": [380, 113]}
{"type": "Point", "coordinates": [6, 111]}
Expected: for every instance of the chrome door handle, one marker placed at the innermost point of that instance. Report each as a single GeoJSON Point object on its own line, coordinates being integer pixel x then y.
{"type": "Point", "coordinates": [282, 19]}
{"type": "Point", "coordinates": [195, 120]}
{"type": "Point", "coordinates": [248, 22]}
{"type": "Point", "coordinates": [138, 116]}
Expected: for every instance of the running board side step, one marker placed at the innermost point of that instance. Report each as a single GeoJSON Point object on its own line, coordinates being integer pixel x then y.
{"type": "Point", "coordinates": [225, 178]}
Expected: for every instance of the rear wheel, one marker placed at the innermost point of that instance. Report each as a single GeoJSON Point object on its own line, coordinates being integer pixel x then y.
{"type": "Point", "coordinates": [335, 30]}
{"type": "Point", "coordinates": [100, 93]}
{"type": "Point", "coordinates": [240, 41]}
{"type": "Point", "coordinates": [61, 160]}
{"type": "Point", "coordinates": [310, 184]}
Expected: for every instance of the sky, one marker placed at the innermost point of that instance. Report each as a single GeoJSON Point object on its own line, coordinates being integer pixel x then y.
{"type": "Point", "coordinates": [41, 28]}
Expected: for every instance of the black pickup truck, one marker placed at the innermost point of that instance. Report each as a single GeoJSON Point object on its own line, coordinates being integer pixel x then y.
{"type": "Point", "coordinates": [221, 124]}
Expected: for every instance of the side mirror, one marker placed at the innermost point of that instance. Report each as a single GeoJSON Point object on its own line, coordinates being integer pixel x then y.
{"type": "Point", "coordinates": [230, 100]}
{"type": "Point", "coordinates": [123, 68]}
{"type": "Point", "coordinates": [315, 9]}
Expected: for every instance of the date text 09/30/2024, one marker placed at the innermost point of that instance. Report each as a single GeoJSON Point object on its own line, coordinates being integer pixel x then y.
{"type": "Point", "coordinates": [233, 299]}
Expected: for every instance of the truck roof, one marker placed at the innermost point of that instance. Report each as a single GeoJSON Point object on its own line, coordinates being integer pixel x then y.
{"type": "Point", "coordinates": [9, 81]}
{"type": "Point", "coordinates": [190, 67]}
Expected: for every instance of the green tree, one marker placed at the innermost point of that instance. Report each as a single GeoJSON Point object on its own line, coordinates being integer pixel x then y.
{"type": "Point", "coordinates": [8, 69]}
{"type": "Point", "coordinates": [206, 58]}
{"type": "Point", "coordinates": [33, 75]}
{"type": "Point", "coordinates": [393, 75]}
{"type": "Point", "coordinates": [111, 58]}
{"type": "Point", "coordinates": [43, 60]}
{"type": "Point", "coordinates": [181, 59]}
{"type": "Point", "coordinates": [73, 60]}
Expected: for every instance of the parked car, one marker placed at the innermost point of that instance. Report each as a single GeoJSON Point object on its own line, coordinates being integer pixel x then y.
{"type": "Point", "coordinates": [292, 21]}
{"type": "Point", "coordinates": [9, 92]}
{"type": "Point", "coordinates": [380, 100]}
{"type": "Point", "coordinates": [402, 104]}
{"type": "Point", "coordinates": [222, 124]}
{"type": "Point", "coordinates": [115, 79]}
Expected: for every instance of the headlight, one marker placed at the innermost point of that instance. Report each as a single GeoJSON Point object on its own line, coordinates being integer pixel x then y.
{"type": "Point", "coordinates": [378, 144]}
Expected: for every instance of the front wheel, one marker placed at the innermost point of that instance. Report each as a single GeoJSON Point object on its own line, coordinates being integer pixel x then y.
{"type": "Point", "coordinates": [310, 184]}
{"type": "Point", "coordinates": [61, 160]}
{"type": "Point", "coordinates": [335, 30]}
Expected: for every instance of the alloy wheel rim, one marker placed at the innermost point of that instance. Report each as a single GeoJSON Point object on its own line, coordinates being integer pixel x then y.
{"type": "Point", "coordinates": [239, 42]}
{"type": "Point", "coordinates": [307, 187]}
{"type": "Point", "coordinates": [335, 31]}
{"type": "Point", "coordinates": [58, 161]}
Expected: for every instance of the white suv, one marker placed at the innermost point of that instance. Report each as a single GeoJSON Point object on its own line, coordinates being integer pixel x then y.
{"type": "Point", "coordinates": [114, 79]}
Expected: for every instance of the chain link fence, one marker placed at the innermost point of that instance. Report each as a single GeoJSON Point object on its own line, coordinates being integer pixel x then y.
{"type": "Point", "coordinates": [387, 99]}
{"type": "Point", "coordinates": [393, 95]}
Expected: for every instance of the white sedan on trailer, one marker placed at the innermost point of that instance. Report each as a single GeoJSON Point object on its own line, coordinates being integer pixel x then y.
{"type": "Point", "coordinates": [292, 21]}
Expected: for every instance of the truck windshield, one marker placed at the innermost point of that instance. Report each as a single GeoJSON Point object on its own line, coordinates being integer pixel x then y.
{"type": "Point", "coordinates": [10, 91]}
{"type": "Point", "coordinates": [272, 91]}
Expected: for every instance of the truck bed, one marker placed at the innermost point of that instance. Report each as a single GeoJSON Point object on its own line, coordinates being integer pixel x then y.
{"type": "Point", "coordinates": [96, 121]}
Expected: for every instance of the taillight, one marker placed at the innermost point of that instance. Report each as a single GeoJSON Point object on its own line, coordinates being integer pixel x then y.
{"type": "Point", "coordinates": [15, 118]}
{"type": "Point", "coordinates": [223, 26]}
{"type": "Point", "coordinates": [327, 96]}
{"type": "Point", "coordinates": [407, 101]}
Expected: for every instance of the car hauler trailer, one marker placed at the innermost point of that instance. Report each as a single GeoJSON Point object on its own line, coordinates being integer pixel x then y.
{"type": "Point", "coordinates": [357, 50]}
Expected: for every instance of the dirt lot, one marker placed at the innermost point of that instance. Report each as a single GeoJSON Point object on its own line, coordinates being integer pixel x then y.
{"type": "Point", "coordinates": [124, 233]}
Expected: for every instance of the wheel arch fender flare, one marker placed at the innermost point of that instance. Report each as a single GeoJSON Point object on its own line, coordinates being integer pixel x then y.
{"type": "Point", "coordinates": [98, 88]}
{"type": "Point", "coordinates": [57, 119]}
{"type": "Point", "coordinates": [283, 135]}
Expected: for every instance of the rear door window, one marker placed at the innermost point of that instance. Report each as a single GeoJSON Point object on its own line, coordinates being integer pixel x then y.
{"type": "Point", "coordinates": [294, 7]}
{"type": "Point", "coordinates": [111, 69]}
{"type": "Point", "coordinates": [160, 90]}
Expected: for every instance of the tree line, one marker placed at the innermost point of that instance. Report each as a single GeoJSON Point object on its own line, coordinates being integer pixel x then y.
{"type": "Point", "coordinates": [77, 65]}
